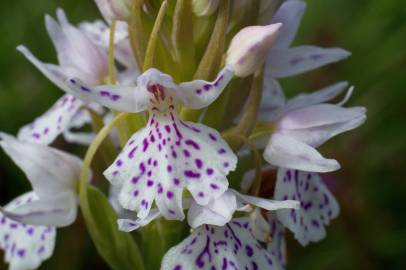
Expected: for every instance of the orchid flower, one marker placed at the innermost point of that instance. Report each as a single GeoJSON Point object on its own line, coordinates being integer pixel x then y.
{"type": "Point", "coordinates": [211, 247]}
{"type": "Point", "coordinates": [27, 226]}
{"type": "Point", "coordinates": [318, 206]}
{"type": "Point", "coordinates": [77, 56]}
{"type": "Point", "coordinates": [217, 212]}
{"type": "Point", "coordinates": [305, 123]}
{"type": "Point", "coordinates": [25, 246]}
{"type": "Point", "coordinates": [284, 61]}
{"type": "Point", "coordinates": [166, 156]}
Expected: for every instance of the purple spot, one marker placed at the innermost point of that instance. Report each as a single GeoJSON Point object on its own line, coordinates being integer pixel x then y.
{"type": "Point", "coordinates": [199, 163]}
{"type": "Point", "coordinates": [169, 194]}
{"type": "Point", "coordinates": [150, 183]}
{"type": "Point", "coordinates": [115, 97]}
{"type": "Point", "coordinates": [104, 93]}
{"type": "Point", "coordinates": [192, 174]}
{"type": "Point", "coordinates": [84, 89]}
{"type": "Point", "coordinates": [193, 144]}
{"type": "Point", "coordinates": [21, 252]}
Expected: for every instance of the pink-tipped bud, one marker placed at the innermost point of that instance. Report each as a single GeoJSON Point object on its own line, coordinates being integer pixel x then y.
{"type": "Point", "coordinates": [114, 9]}
{"type": "Point", "coordinates": [249, 47]}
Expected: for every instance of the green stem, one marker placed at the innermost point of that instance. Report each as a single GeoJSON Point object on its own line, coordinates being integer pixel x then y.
{"type": "Point", "coordinates": [212, 58]}
{"type": "Point", "coordinates": [137, 32]}
{"type": "Point", "coordinates": [91, 151]}
{"type": "Point", "coordinates": [152, 43]}
{"type": "Point", "coordinates": [249, 118]}
{"type": "Point", "coordinates": [112, 67]}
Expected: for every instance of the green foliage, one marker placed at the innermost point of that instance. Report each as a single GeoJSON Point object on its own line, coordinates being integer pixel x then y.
{"type": "Point", "coordinates": [117, 248]}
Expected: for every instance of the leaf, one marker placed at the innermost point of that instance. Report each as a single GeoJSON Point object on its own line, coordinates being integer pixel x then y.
{"type": "Point", "coordinates": [117, 248]}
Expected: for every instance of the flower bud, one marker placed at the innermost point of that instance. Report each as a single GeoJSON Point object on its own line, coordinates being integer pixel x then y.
{"type": "Point", "coordinates": [205, 7]}
{"type": "Point", "coordinates": [114, 9]}
{"type": "Point", "coordinates": [248, 49]}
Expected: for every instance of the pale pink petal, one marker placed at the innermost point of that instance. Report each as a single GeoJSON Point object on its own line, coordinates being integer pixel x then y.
{"type": "Point", "coordinates": [288, 62]}
{"type": "Point", "coordinates": [319, 115]}
{"type": "Point", "coordinates": [273, 99]}
{"type": "Point", "coordinates": [290, 15]}
{"type": "Point", "coordinates": [286, 152]}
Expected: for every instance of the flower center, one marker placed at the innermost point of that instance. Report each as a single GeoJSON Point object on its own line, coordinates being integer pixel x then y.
{"type": "Point", "coordinates": [160, 100]}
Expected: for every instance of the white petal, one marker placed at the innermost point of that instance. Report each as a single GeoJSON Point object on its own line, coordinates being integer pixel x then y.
{"type": "Point", "coordinates": [290, 15]}
{"type": "Point", "coordinates": [76, 50]}
{"type": "Point", "coordinates": [218, 212]}
{"type": "Point", "coordinates": [128, 225]}
{"type": "Point", "coordinates": [284, 151]}
{"type": "Point", "coordinates": [47, 127]}
{"type": "Point", "coordinates": [59, 210]}
{"type": "Point", "coordinates": [273, 99]}
{"type": "Point", "coordinates": [277, 246]}
{"type": "Point", "coordinates": [168, 155]}
{"type": "Point", "coordinates": [269, 205]}
{"type": "Point", "coordinates": [288, 62]}
{"type": "Point", "coordinates": [49, 170]}
{"type": "Point", "coordinates": [320, 96]}
{"type": "Point", "coordinates": [318, 206]}
{"type": "Point", "coordinates": [83, 138]}
{"type": "Point", "coordinates": [55, 74]}
{"type": "Point", "coordinates": [212, 247]}
{"type": "Point", "coordinates": [316, 136]}
{"type": "Point", "coordinates": [198, 94]}
{"type": "Point", "coordinates": [319, 115]}
{"type": "Point", "coordinates": [117, 97]}
{"type": "Point", "coordinates": [25, 246]}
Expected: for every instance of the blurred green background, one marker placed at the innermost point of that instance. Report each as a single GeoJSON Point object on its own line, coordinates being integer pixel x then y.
{"type": "Point", "coordinates": [371, 188]}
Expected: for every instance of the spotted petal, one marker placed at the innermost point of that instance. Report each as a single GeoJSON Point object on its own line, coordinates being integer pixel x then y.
{"type": "Point", "coordinates": [47, 127]}
{"type": "Point", "coordinates": [166, 156]}
{"type": "Point", "coordinates": [319, 206]}
{"type": "Point", "coordinates": [199, 94]}
{"type": "Point", "coordinates": [58, 210]}
{"type": "Point", "coordinates": [49, 170]}
{"type": "Point", "coordinates": [212, 247]}
{"type": "Point", "coordinates": [288, 62]}
{"type": "Point", "coordinates": [277, 246]}
{"type": "Point", "coordinates": [117, 97]}
{"type": "Point", "coordinates": [284, 151]}
{"type": "Point", "coordinates": [25, 246]}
